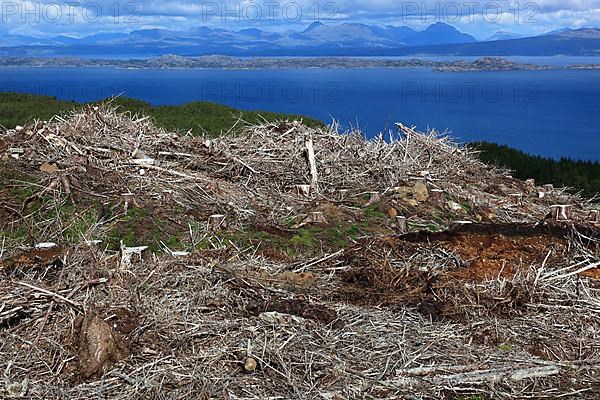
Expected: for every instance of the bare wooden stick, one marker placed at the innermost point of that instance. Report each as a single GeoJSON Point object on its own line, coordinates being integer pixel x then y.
{"type": "Point", "coordinates": [52, 294]}
{"type": "Point", "coordinates": [312, 160]}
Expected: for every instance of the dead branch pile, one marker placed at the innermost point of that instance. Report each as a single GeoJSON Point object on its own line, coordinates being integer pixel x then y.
{"type": "Point", "coordinates": [506, 308]}
{"type": "Point", "coordinates": [126, 159]}
{"type": "Point", "coordinates": [276, 155]}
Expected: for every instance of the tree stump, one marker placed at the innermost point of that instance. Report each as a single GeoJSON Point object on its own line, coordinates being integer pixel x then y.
{"type": "Point", "coordinates": [303, 190]}
{"type": "Point", "coordinates": [560, 212]}
{"type": "Point", "coordinates": [316, 217]}
{"type": "Point", "coordinates": [127, 200]}
{"type": "Point", "coordinates": [401, 224]}
{"type": "Point", "coordinates": [167, 196]}
{"type": "Point", "coordinates": [129, 254]}
{"type": "Point", "coordinates": [216, 221]}
{"type": "Point", "coordinates": [549, 188]}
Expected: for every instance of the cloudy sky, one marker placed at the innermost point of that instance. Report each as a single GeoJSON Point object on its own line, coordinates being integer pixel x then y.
{"type": "Point", "coordinates": [481, 19]}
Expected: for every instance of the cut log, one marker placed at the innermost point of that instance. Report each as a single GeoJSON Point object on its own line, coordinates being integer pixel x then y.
{"type": "Point", "coordinates": [530, 183]}
{"type": "Point", "coordinates": [216, 221]}
{"type": "Point", "coordinates": [549, 188]}
{"type": "Point", "coordinates": [401, 224]}
{"type": "Point", "coordinates": [45, 246]}
{"type": "Point", "coordinates": [560, 212]}
{"type": "Point", "coordinates": [129, 254]}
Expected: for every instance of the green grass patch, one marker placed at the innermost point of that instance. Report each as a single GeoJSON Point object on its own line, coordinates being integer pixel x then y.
{"type": "Point", "coordinates": [196, 117]}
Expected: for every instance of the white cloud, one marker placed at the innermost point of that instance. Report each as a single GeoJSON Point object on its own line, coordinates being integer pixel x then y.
{"type": "Point", "coordinates": [476, 17]}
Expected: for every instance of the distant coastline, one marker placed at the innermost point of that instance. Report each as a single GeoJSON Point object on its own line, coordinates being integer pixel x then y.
{"type": "Point", "coordinates": [227, 62]}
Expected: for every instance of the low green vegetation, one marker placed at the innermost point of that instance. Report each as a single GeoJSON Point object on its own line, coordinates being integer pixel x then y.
{"type": "Point", "coordinates": [18, 109]}
{"type": "Point", "coordinates": [197, 117]}
{"type": "Point", "coordinates": [580, 175]}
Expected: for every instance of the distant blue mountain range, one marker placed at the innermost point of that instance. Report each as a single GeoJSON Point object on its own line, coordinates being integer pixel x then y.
{"type": "Point", "coordinates": [318, 39]}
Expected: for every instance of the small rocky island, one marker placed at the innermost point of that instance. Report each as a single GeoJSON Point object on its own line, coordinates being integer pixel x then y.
{"type": "Point", "coordinates": [226, 62]}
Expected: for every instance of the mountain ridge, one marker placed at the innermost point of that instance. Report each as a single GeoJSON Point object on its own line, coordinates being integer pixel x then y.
{"type": "Point", "coordinates": [317, 39]}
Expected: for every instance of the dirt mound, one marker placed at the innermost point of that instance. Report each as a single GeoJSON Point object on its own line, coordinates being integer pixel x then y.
{"type": "Point", "coordinates": [285, 262]}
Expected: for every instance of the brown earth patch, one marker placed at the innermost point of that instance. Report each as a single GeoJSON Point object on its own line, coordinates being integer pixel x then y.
{"type": "Point", "coordinates": [39, 261]}
{"type": "Point", "coordinates": [592, 273]}
{"type": "Point", "coordinates": [491, 256]}
{"type": "Point", "coordinates": [489, 251]}
{"type": "Point", "coordinates": [472, 253]}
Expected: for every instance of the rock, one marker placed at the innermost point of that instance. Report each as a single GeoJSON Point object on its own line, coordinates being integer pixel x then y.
{"type": "Point", "coordinates": [298, 279]}
{"type": "Point", "coordinates": [99, 347]}
{"type": "Point", "coordinates": [454, 206]}
{"type": "Point", "coordinates": [403, 191]}
{"type": "Point", "coordinates": [49, 167]}
{"type": "Point", "coordinates": [392, 213]}
{"type": "Point", "coordinates": [421, 192]}
{"type": "Point", "coordinates": [250, 364]}
{"type": "Point", "coordinates": [13, 390]}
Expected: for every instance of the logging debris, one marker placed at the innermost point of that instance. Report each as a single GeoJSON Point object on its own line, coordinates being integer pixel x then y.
{"type": "Point", "coordinates": [286, 262]}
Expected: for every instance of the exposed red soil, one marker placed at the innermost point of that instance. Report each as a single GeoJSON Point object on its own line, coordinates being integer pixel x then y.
{"type": "Point", "coordinates": [490, 251]}
{"type": "Point", "coordinates": [490, 256]}
{"type": "Point", "coordinates": [482, 252]}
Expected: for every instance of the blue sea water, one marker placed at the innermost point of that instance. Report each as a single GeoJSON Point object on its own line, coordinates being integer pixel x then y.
{"type": "Point", "coordinates": [552, 113]}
